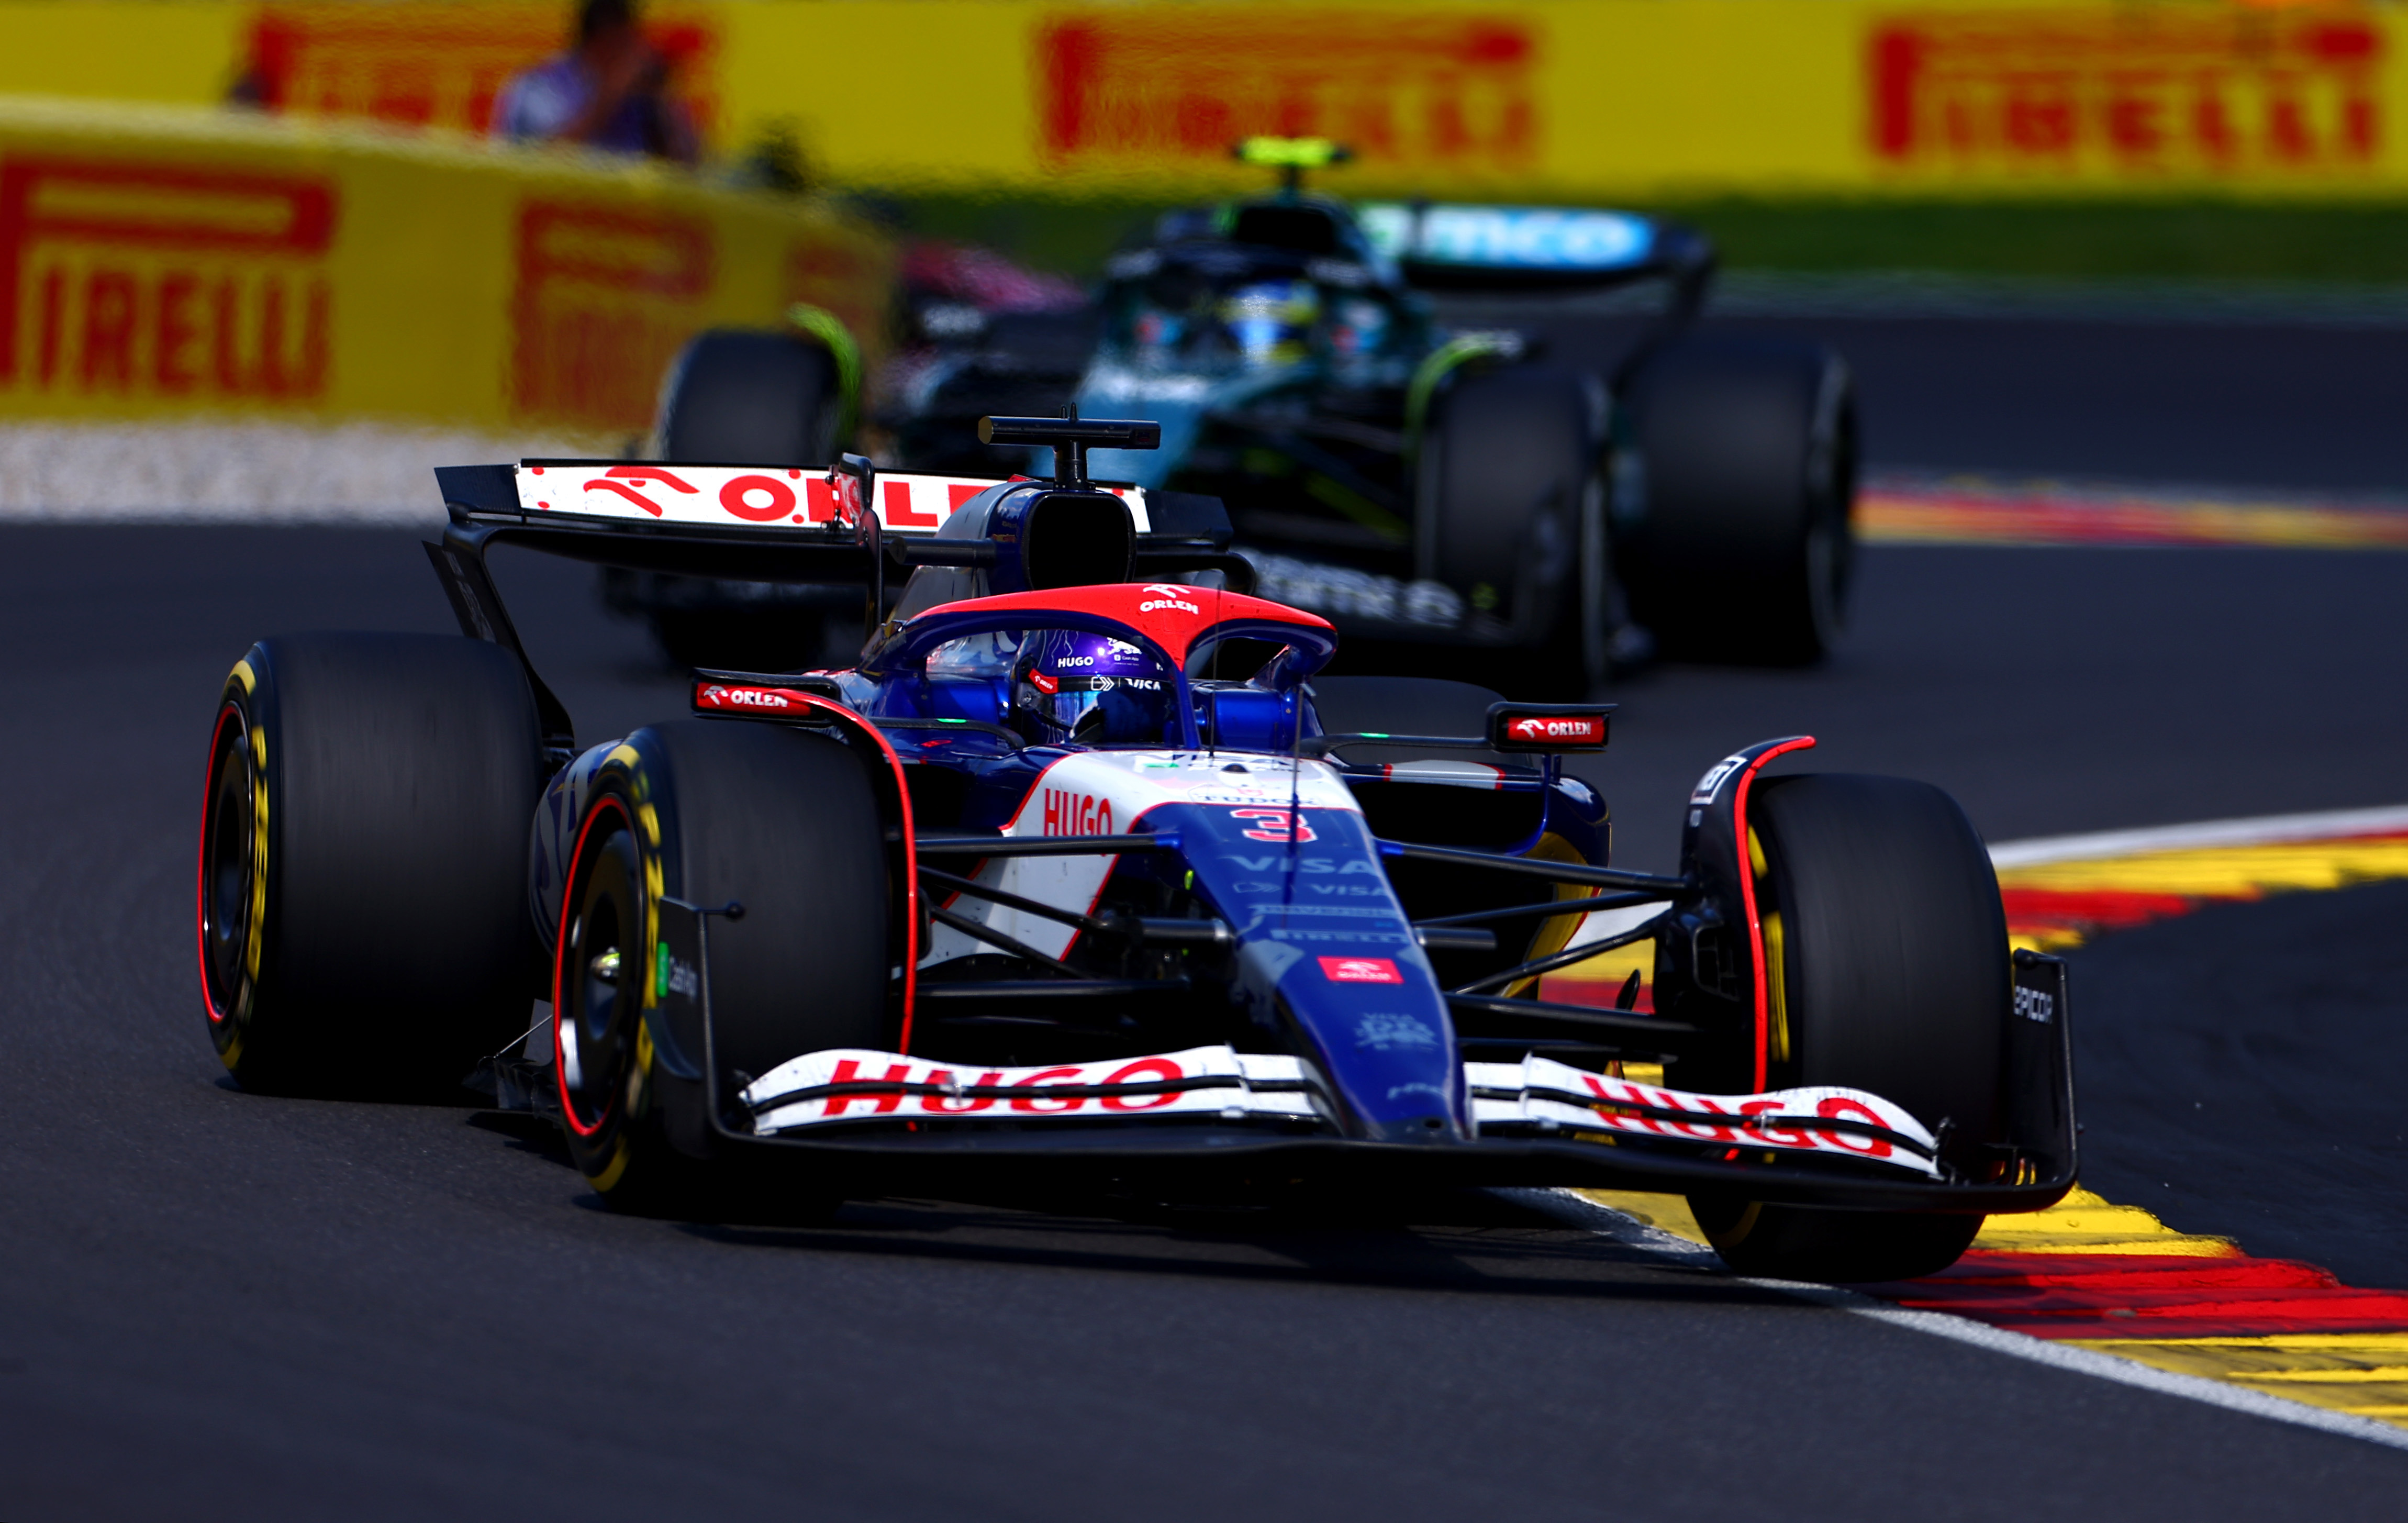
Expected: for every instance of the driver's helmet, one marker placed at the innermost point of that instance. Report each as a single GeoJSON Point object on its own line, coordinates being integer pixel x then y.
{"type": "Point", "coordinates": [1091, 689]}
{"type": "Point", "coordinates": [1270, 322]}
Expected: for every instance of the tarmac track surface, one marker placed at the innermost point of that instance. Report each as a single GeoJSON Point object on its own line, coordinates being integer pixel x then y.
{"type": "Point", "coordinates": [214, 1305]}
{"type": "Point", "coordinates": [2236, 406]}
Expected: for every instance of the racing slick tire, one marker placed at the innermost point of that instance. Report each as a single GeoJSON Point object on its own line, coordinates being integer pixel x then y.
{"type": "Point", "coordinates": [1734, 483]}
{"type": "Point", "coordinates": [779, 822]}
{"type": "Point", "coordinates": [746, 397]}
{"type": "Point", "coordinates": [363, 913]}
{"type": "Point", "coordinates": [749, 396]}
{"type": "Point", "coordinates": [1511, 514]}
{"type": "Point", "coordinates": [1890, 972]}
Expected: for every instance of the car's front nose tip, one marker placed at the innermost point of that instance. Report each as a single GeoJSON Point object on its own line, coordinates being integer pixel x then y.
{"type": "Point", "coordinates": [1417, 1132]}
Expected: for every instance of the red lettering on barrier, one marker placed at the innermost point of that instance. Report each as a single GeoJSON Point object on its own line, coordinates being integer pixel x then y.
{"type": "Point", "coordinates": [54, 303]}
{"type": "Point", "coordinates": [440, 66]}
{"type": "Point", "coordinates": [2206, 89]}
{"type": "Point", "coordinates": [117, 256]}
{"type": "Point", "coordinates": [176, 332]}
{"type": "Point", "coordinates": [1434, 91]}
{"type": "Point", "coordinates": [603, 301]}
{"type": "Point", "coordinates": [109, 330]}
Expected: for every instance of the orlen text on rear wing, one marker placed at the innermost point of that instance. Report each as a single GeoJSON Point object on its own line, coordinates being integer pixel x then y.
{"type": "Point", "coordinates": [849, 525]}
{"type": "Point", "coordinates": [747, 523]}
{"type": "Point", "coordinates": [1479, 248]}
{"type": "Point", "coordinates": [780, 524]}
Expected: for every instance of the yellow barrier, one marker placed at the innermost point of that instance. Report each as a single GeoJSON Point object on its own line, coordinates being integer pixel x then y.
{"type": "Point", "coordinates": [1558, 97]}
{"type": "Point", "coordinates": [156, 261]}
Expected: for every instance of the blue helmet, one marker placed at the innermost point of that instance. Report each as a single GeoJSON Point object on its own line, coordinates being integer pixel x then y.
{"type": "Point", "coordinates": [1092, 689]}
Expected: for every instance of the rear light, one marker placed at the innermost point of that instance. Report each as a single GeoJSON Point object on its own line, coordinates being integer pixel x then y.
{"type": "Point", "coordinates": [745, 698]}
{"type": "Point", "coordinates": [1548, 726]}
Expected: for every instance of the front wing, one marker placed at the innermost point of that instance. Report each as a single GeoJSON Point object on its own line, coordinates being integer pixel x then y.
{"type": "Point", "coordinates": [1535, 1097]}
{"type": "Point", "coordinates": [1209, 1116]}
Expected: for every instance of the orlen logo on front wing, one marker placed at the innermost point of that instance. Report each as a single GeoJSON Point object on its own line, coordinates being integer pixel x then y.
{"type": "Point", "coordinates": [1360, 970]}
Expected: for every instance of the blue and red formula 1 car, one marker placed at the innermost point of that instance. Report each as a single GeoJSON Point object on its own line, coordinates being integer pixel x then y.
{"type": "Point", "coordinates": [1081, 872]}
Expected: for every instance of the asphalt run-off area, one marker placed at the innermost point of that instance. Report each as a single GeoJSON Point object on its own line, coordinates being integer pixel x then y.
{"type": "Point", "coordinates": [2119, 579]}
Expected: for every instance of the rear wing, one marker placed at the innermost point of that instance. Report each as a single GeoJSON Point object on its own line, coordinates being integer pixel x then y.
{"type": "Point", "coordinates": [1485, 248]}
{"type": "Point", "coordinates": [777, 522]}
{"type": "Point", "coordinates": [844, 522]}
{"type": "Point", "coordinates": [847, 525]}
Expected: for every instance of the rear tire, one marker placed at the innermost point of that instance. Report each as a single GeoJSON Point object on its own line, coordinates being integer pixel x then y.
{"type": "Point", "coordinates": [1894, 977]}
{"type": "Point", "coordinates": [749, 398]}
{"type": "Point", "coordinates": [782, 822]}
{"type": "Point", "coordinates": [362, 915]}
{"type": "Point", "coordinates": [1735, 482]}
{"type": "Point", "coordinates": [1512, 515]}
{"type": "Point", "coordinates": [743, 396]}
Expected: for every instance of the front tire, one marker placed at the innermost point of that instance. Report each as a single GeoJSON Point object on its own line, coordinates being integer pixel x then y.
{"type": "Point", "coordinates": [780, 822]}
{"type": "Point", "coordinates": [363, 914]}
{"type": "Point", "coordinates": [1892, 975]}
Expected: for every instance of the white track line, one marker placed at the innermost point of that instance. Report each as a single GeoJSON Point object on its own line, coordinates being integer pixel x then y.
{"type": "Point", "coordinates": [1603, 1220]}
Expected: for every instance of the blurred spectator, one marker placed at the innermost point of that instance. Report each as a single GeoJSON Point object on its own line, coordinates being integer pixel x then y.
{"type": "Point", "coordinates": [609, 92]}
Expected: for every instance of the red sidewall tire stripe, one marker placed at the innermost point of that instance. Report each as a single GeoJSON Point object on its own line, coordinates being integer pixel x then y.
{"type": "Point", "coordinates": [201, 869]}
{"type": "Point", "coordinates": [1747, 899]}
{"type": "Point", "coordinates": [559, 962]}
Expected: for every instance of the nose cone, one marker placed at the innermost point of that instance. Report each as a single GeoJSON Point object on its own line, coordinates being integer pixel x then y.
{"type": "Point", "coordinates": [1328, 951]}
